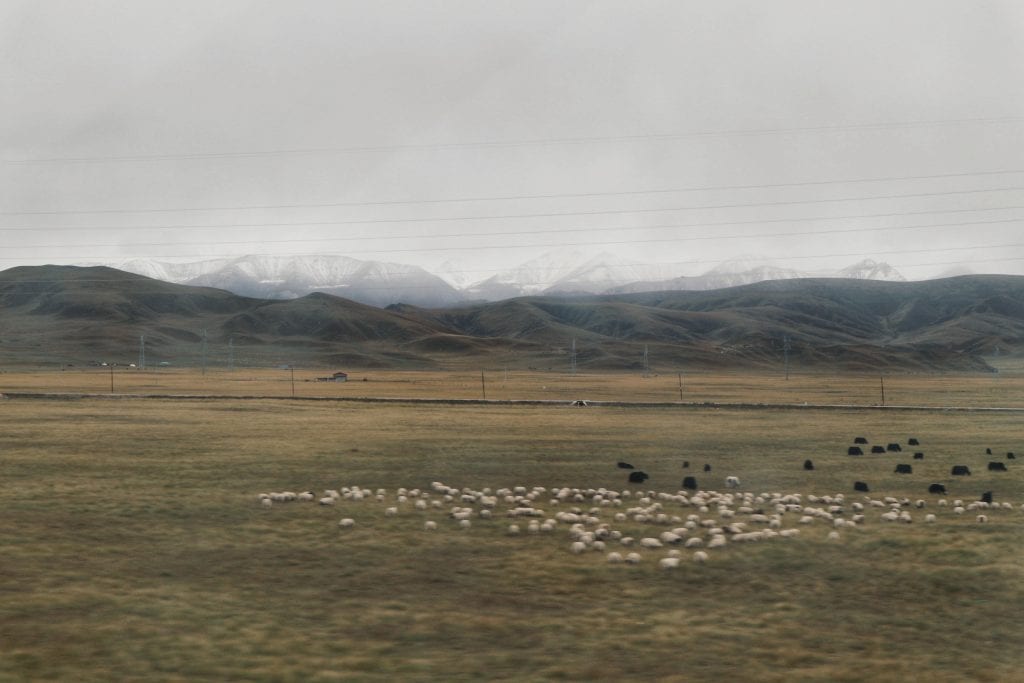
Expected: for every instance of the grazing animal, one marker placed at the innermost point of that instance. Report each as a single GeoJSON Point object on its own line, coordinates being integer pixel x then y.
{"type": "Point", "coordinates": [903, 468]}
{"type": "Point", "coordinates": [986, 497]}
{"type": "Point", "coordinates": [860, 486]}
{"type": "Point", "coordinates": [913, 442]}
{"type": "Point", "coordinates": [707, 468]}
{"type": "Point", "coordinates": [686, 464]}
{"type": "Point", "coordinates": [937, 488]}
{"type": "Point", "coordinates": [860, 439]}
{"type": "Point", "coordinates": [1010, 455]}
{"type": "Point", "coordinates": [960, 470]}
{"type": "Point", "coordinates": [997, 467]}
{"type": "Point", "coordinates": [690, 483]}
{"type": "Point", "coordinates": [808, 465]}
{"type": "Point", "coordinates": [918, 456]}
{"type": "Point", "coordinates": [988, 451]}
{"type": "Point", "coordinates": [638, 477]}
{"type": "Point", "coordinates": [878, 449]}
{"type": "Point", "coordinates": [854, 450]}
{"type": "Point", "coordinates": [894, 448]}
{"type": "Point", "coordinates": [732, 482]}
{"type": "Point", "coordinates": [623, 465]}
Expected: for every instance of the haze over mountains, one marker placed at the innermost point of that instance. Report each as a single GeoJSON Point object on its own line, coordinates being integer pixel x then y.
{"type": "Point", "coordinates": [66, 314]}
{"type": "Point", "coordinates": [380, 283]}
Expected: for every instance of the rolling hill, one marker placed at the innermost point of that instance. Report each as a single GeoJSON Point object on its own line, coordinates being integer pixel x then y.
{"type": "Point", "coordinates": [67, 314]}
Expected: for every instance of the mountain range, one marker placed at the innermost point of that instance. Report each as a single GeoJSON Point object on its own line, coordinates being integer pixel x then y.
{"type": "Point", "coordinates": [379, 283]}
{"type": "Point", "coordinates": [69, 314]}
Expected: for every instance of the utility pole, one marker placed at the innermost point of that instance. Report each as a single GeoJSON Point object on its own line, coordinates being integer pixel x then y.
{"type": "Point", "coordinates": [111, 378]}
{"type": "Point", "coordinates": [483, 387]}
{"type": "Point", "coordinates": [680, 387]}
{"type": "Point", "coordinates": [204, 352]}
{"type": "Point", "coordinates": [292, 368]}
{"type": "Point", "coordinates": [647, 367]}
{"type": "Point", "coordinates": [142, 352]}
{"type": "Point", "coordinates": [881, 381]}
{"type": "Point", "coordinates": [572, 357]}
{"type": "Point", "coordinates": [231, 353]}
{"type": "Point", "coordinates": [785, 352]}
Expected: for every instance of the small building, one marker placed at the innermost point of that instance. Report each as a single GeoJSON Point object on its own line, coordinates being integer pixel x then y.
{"type": "Point", "coordinates": [336, 377]}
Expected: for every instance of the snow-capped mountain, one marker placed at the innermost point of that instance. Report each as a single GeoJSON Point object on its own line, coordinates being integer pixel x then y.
{"type": "Point", "coordinates": [458, 274]}
{"type": "Point", "coordinates": [531, 277]}
{"type": "Point", "coordinates": [555, 273]}
{"type": "Point", "coordinates": [869, 269]}
{"type": "Point", "coordinates": [286, 277]}
{"type": "Point", "coordinates": [172, 272]}
{"type": "Point", "coordinates": [607, 271]}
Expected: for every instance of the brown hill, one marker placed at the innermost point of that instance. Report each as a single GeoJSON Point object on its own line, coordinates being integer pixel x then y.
{"type": "Point", "coordinates": [64, 314]}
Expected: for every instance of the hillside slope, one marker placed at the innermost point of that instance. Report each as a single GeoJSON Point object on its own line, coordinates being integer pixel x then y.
{"type": "Point", "coordinates": [65, 314]}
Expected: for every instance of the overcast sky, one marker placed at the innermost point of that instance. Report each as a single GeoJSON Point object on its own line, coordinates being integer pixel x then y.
{"type": "Point", "coordinates": [811, 134]}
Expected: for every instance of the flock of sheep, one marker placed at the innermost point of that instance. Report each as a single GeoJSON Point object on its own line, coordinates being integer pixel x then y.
{"type": "Point", "coordinates": [629, 526]}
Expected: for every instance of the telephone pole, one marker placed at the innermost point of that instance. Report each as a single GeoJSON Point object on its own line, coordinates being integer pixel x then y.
{"type": "Point", "coordinates": [572, 357]}
{"type": "Point", "coordinates": [204, 352]}
{"type": "Point", "coordinates": [142, 352]}
{"type": "Point", "coordinates": [647, 366]}
{"type": "Point", "coordinates": [785, 352]}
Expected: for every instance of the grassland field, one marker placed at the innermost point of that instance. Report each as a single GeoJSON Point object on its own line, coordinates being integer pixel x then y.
{"type": "Point", "coordinates": [133, 547]}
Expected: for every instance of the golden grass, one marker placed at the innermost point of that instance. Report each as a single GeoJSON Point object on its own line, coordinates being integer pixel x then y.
{"type": "Point", "coordinates": [133, 547]}
{"type": "Point", "coordinates": [1003, 389]}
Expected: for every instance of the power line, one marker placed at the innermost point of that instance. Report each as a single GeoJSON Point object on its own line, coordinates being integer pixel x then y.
{"type": "Point", "coordinates": [564, 195]}
{"type": "Point", "coordinates": [449, 219]}
{"type": "Point", "coordinates": [674, 239]}
{"type": "Point", "coordinates": [497, 144]}
{"type": "Point", "coordinates": [518, 233]}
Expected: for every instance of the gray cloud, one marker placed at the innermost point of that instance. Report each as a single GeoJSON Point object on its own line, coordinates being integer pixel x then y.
{"type": "Point", "coordinates": [251, 104]}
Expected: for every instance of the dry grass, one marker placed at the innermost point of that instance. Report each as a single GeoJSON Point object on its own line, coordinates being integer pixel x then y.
{"type": "Point", "coordinates": [1004, 389]}
{"type": "Point", "coordinates": [133, 548]}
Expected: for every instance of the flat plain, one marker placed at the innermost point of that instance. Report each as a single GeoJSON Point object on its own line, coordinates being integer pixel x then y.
{"type": "Point", "coordinates": [134, 546]}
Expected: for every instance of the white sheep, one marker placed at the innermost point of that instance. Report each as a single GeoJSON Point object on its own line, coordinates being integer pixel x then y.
{"type": "Point", "coordinates": [668, 563]}
{"type": "Point", "coordinates": [429, 525]}
{"type": "Point", "coordinates": [700, 557]}
{"type": "Point", "coordinates": [732, 482]}
{"type": "Point", "coordinates": [633, 558]}
{"type": "Point", "coordinates": [614, 558]}
{"type": "Point", "coordinates": [347, 522]}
